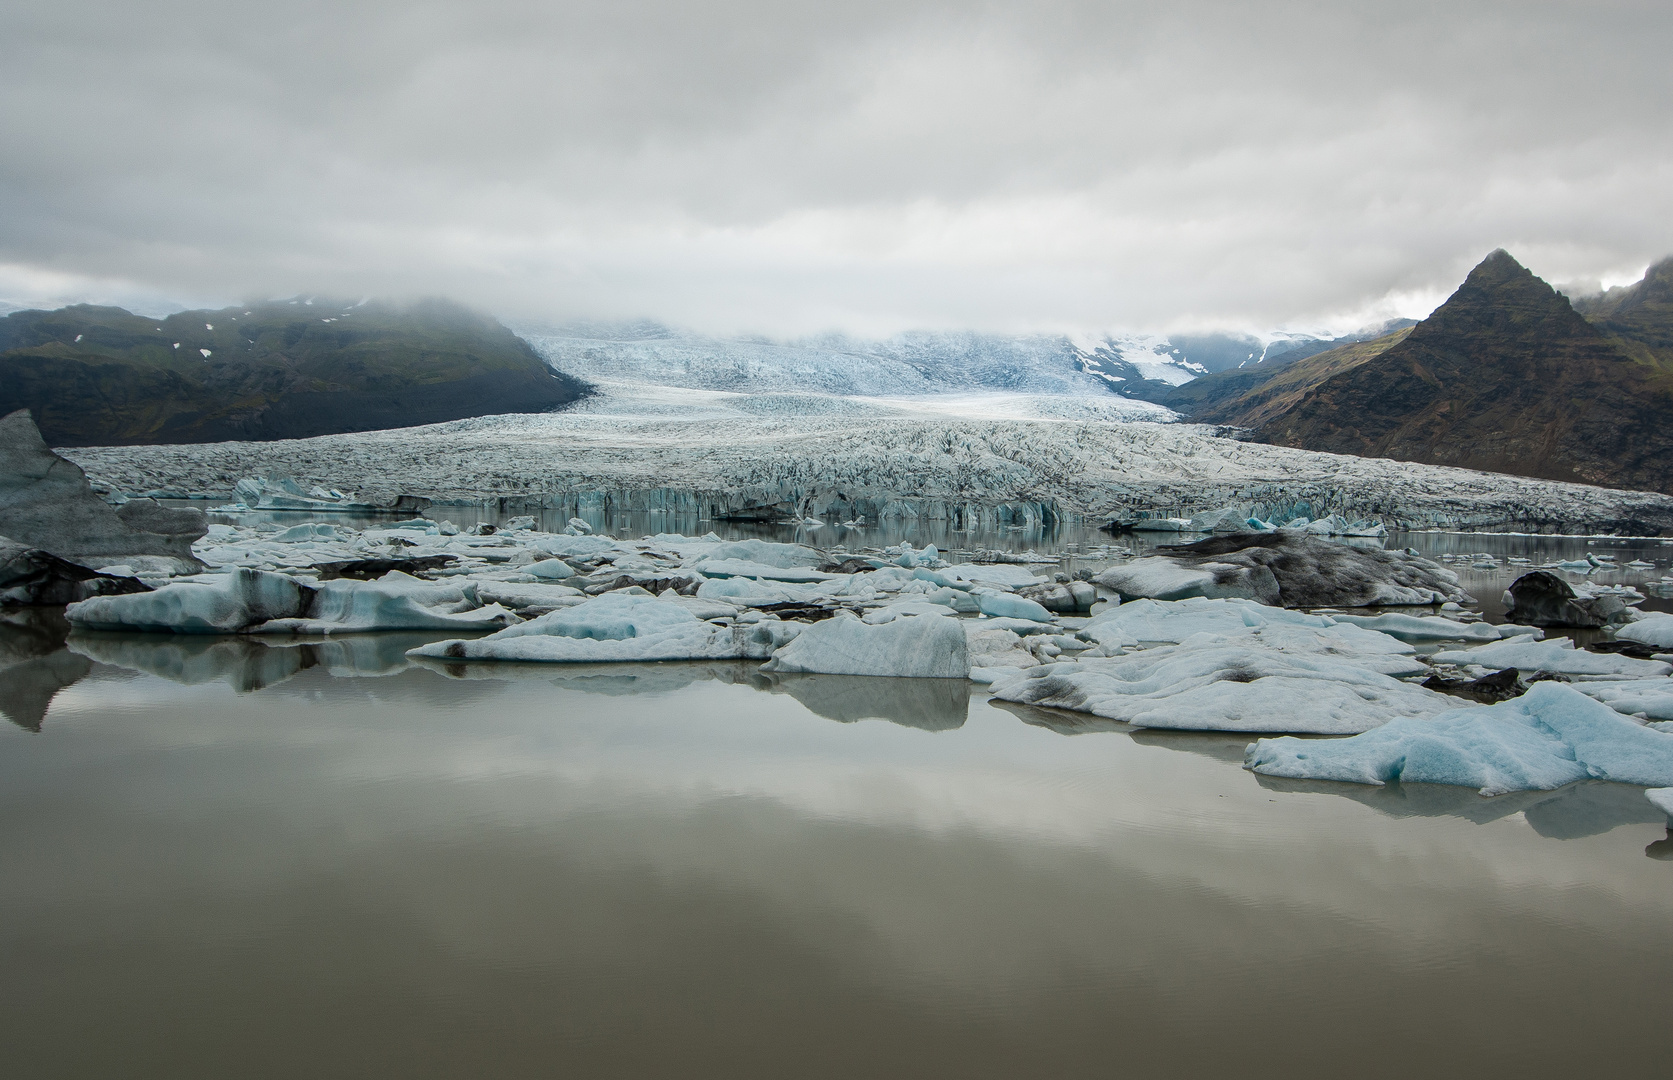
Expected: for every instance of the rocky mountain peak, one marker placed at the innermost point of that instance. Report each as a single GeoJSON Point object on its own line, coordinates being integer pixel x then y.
{"type": "Point", "coordinates": [1501, 299]}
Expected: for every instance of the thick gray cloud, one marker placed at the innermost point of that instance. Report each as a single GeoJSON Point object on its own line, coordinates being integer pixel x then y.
{"type": "Point", "coordinates": [789, 166]}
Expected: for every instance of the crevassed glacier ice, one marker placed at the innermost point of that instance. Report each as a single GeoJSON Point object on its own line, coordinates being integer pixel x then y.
{"type": "Point", "coordinates": [878, 465]}
{"type": "Point", "coordinates": [1550, 736]}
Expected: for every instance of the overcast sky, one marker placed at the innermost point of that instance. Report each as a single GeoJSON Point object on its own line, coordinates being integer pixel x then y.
{"type": "Point", "coordinates": [788, 167]}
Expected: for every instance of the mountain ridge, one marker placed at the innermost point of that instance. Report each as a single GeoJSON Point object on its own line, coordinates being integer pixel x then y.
{"type": "Point", "coordinates": [1505, 376]}
{"type": "Point", "coordinates": [282, 369]}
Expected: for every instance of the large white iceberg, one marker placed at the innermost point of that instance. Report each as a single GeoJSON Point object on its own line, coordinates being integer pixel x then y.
{"type": "Point", "coordinates": [619, 627]}
{"type": "Point", "coordinates": [1548, 737]}
{"type": "Point", "coordinates": [764, 553]}
{"type": "Point", "coordinates": [731, 568]}
{"type": "Point", "coordinates": [1337, 680]}
{"type": "Point", "coordinates": [1654, 630]}
{"type": "Point", "coordinates": [920, 646]}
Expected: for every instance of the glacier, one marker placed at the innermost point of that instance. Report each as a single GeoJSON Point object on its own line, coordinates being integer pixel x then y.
{"type": "Point", "coordinates": [707, 454]}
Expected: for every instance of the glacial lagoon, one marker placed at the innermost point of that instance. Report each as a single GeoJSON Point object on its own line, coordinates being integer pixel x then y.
{"type": "Point", "coordinates": [318, 857]}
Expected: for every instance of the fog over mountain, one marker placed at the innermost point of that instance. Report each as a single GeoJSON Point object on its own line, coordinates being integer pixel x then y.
{"type": "Point", "coordinates": [795, 168]}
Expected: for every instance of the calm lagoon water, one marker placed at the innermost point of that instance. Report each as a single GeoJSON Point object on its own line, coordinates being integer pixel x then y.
{"type": "Point", "coordinates": [251, 858]}
{"type": "Point", "coordinates": [227, 858]}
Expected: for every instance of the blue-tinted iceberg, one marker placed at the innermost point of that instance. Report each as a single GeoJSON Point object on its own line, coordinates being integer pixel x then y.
{"type": "Point", "coordinates": [1548, 737]}
{"type": "Point", "coordinates": [256, 602]}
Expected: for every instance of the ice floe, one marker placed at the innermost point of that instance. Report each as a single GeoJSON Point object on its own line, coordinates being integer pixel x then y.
{"type": "Point", "coordinates": [1654, 629]}
{"type": "Point", "coordinates": [257, 602]}
{"type": "Point", "coordinates": [1330, 680]}
{"type": "Point", "coordinates": [617, 627]}
{"type": "Point", "coordinates": [1548, 737]}
{"type": "Point", "coordinates": [921, 647]}
{"type": "Point", "coordinates": [1558, 656]}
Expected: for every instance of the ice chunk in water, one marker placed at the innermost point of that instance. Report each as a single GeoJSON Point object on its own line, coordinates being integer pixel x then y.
{"type": "Point", "coordinates": [1655, 630]}
{"type": "Point", "coordinates": [1548, 737]}
{"type": "Point", "coordinates": [1559, 657]}
{"type": "Point", "coordinates": [619, 627]}
{"type": "Point", "coordinates": [927, 647]}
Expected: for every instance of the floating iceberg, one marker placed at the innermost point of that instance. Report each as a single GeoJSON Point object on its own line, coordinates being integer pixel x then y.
{"type": "Point", "coordinates": [1285, 569]}
{"type": "Point", "coordinates": [308, 532]}
{"type": "Point", "coordinates": [256, 602]}
{"type": "Point", "coordinates": [618, 627]}
{"type": "Point", "coordinates": [1276, 678]}
{"type": "Point", "coordinates": [1423, 627]}
{"type": "Point", "coordinates": [1548, 737]}
{"type": "Point", "coordinates": [921, 647]}
{"type": "Point", "coordinates": [1650, 698]}
{"type": "Point", "coordinates": [743, 568]}
{"type": "Point", "coordinates": [30, 576]}
{"type": "Point", "coordinates": [1654, 630]}
{"type": "Point", "coordinates": [1003, 605]}
{"type": "Point", "coordinates": [1541, 598]}
{"type": "Point", "coordinates": [764, 553]}
{"type": "Point", "coordinates": [1007, 575]}
{"type": "Point", "coordinates": [1176, 620]}
{"type": "Point", "coordinates": [47, 503]}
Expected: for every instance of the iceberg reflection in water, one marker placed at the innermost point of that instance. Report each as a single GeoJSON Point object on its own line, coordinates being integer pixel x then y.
{"type": "Point", "coordinates": [321, 851]}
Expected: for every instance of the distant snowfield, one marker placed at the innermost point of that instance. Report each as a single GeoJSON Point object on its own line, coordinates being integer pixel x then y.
{"type": "Point", "coordinates": [909, 365]}
{"type": "Point", "coordinates": [625, 399]}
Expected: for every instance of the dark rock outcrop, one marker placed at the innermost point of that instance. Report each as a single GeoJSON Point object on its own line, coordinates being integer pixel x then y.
{"type": "Point", "coordinates": [46, 502]}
